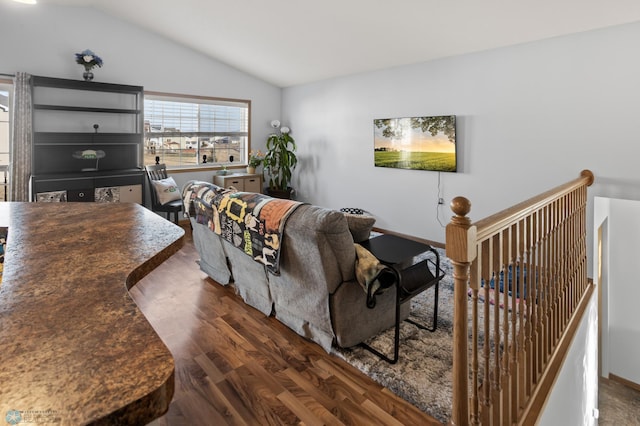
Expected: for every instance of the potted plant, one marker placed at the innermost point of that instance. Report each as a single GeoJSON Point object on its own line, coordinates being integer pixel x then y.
{"type": "Point", "coordinates": [280, 160]}
{"type": "Point", "coordinates": [255, 160]}
{"type": "Point", "coordinates": [89, 61]}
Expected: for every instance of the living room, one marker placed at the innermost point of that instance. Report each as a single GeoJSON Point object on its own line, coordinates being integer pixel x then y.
{"type": "Point", "coordinates": [529, 116]}
{"type": "Point", "coordinates": [520, 109]}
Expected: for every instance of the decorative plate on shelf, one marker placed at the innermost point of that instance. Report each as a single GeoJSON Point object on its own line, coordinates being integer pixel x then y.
{"type": "Point", "coordinates": [89, 154]}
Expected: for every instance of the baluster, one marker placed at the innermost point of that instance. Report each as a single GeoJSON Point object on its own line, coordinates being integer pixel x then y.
{"type": "Point", "coordinates": [537, 315]}
{"type": "Point", "coordinates": [573, 234]}
{"type": "Point", "coordinates": [486, 384]}
{"type": "Point", "coordinates": [505, 262]}
{"type": "Point", "coordinates": [475, 285]}
{"type": "Point", "coordinates": [554, 271]}
{"type": "Point", "coordinates": [563, 254]}
{"type": "Point", "coordinates": [543, 292]}
{"type": "Point", "coordinates": [515, 345]}
{"type": "Point", "coordinates": [583, 234]}
{"type": "Point", "coordinates": [577, 253]}
{"type": "Point", "coordinates": [567, 231]}
{"type": "Point", "coordinates": [546, 263]}
{"type": "Point", "coordinates": [569, 234]}
{"type": "Point", "coordinates": [494, 255]}
{"type": "Point", "coordinates": [486, 270]}
{"type": "Point", "coordinates": [530, 303]}
{"type": "Point", "coordinates": [551, 283]}
{"type": "Point", "coordinates": [523, 358]}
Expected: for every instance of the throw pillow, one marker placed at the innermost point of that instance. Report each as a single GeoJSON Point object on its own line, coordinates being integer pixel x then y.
{"type": "Point", "coordinates": [167, 190]}
{"type": "Point", "coordinates": [360, 224]}
{"type": "Point", "coordinates": [352, 210]}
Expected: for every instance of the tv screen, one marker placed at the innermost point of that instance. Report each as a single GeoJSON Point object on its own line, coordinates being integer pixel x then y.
{"type": "Point", "coordinates": [417, 143]}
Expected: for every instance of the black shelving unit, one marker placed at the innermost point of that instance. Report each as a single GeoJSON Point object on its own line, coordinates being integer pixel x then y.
{"type": "Point", "coordinates": [87, 141]}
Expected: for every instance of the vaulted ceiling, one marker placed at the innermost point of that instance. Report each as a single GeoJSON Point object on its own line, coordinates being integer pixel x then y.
{"type": "Point", "coordinates": [290, 42]}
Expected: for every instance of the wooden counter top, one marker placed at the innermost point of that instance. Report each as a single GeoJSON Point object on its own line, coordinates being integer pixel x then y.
{"type": "Point", "coordinates": [74, 347]}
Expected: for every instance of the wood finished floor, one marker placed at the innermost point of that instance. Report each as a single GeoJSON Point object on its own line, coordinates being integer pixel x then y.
{"type": "Point", "coordinates": [235, 366]}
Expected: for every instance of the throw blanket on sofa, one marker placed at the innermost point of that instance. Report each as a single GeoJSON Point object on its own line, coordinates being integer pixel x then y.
{"type": "Point", "coordinates": [198, 198]}
{"type": "Point", "coordinates": [252, 222]}
{"type": "Point", "coordinates": [373, 276]}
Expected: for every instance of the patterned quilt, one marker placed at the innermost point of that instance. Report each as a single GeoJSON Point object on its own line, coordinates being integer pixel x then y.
{"type": "Point", "coordinates": [252, 222]}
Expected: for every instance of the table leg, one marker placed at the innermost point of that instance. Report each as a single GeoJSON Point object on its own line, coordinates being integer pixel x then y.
{"type": "Point", "coordinates": [434, 323]}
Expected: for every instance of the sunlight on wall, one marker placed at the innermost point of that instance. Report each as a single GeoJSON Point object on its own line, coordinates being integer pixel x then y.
{"type": "Point", "coordinates": [573, 400]}
{"type": "Point", "coordinates": [590, 368]}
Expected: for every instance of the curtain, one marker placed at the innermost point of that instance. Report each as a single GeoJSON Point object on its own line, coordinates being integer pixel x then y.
{"type": "Point", "coordinates": [21, 146]}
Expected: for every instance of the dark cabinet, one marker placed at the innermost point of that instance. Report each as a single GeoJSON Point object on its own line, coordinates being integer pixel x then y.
{"type": "Point", "coordinates": [87, 141]}
{"type": "Point", "coordinates": [87, 194]}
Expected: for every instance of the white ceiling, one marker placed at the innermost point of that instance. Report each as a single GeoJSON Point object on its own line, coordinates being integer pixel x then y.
{"type": "Point", "coordinates": [290, 42]}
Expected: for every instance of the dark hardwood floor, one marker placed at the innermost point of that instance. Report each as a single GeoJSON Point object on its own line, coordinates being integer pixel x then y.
{"type": "Point", "coordinates": [235, 366]}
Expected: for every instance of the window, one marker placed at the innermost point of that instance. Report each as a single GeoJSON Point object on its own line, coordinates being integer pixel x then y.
{"type": "Point", "coordinates": [194, 131]}
{"type": "Point", "coordinates": [6, 88]}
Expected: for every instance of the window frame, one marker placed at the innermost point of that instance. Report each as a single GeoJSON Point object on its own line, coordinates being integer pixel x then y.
{"type": "Point", "coordinates": [8, 85]}
{"type": "Point", "coordinates": [197, 99]}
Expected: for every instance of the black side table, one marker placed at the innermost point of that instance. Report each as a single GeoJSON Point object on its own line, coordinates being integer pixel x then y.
{"type": "Point", "coordinates": [417, 268]}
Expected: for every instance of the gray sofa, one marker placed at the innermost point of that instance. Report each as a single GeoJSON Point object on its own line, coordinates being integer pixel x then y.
{"type": "Point", "coordinates": [316, 293]}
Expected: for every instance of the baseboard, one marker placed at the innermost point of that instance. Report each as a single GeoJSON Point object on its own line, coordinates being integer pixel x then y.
{"type": "Point", "coordinates": [625, 382]}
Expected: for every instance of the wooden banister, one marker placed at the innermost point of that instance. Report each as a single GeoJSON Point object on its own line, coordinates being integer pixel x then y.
{"type": "Point", "coordinates": [531, 259]}
{"type": "Point", "coordinates": [498, 221]}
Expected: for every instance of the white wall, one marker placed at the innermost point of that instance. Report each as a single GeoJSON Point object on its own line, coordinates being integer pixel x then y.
{"type": "Point", "coordinates": [529, 117]}
{"type": "Point", "coordinates": [574, 396]}
{"type": "Point", "coordinates": [619, 286]}
{"type": "Point", "coordinates": [42, 40]}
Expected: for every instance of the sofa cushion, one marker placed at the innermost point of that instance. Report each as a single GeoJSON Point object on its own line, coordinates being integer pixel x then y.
{"type": "Point", "coordinates": [317, 256]}
{"type": "Point", "coordinates": [360, 225]}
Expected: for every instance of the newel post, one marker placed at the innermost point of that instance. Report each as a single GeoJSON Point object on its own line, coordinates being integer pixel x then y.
{"type": "Point", "coordinates": [461, 250]}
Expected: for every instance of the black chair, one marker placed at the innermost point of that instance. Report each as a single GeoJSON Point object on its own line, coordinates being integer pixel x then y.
{"type": "Point", "coordinates": [159, 172]}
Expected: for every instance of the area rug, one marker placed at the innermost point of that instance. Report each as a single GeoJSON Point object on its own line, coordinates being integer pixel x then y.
{"type": "Point", "coordinates": [423, 374]}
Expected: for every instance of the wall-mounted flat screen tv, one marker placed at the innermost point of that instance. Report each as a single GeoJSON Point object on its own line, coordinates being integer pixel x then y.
{"type": "Point", "coordinates": [417, 143]}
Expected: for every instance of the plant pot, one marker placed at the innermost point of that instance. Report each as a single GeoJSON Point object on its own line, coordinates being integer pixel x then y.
{"type": "Point", "coordinates": [280, 193]}
{"type": "Point", "coordinates": [251, 170]}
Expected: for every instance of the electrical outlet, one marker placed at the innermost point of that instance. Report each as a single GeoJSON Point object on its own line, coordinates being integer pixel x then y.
{"type": "Point", "coordinates": [440, 200]}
